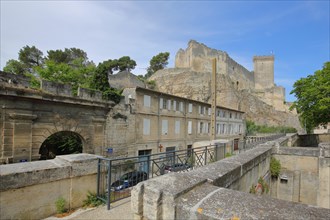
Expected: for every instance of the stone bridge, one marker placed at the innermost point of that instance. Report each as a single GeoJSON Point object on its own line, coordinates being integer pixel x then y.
{"type": "Point", "coordinates": [29, 116]}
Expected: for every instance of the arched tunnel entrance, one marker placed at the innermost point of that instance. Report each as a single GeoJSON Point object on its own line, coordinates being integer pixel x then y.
{"type": "Point", "coordinates": [61, 143]}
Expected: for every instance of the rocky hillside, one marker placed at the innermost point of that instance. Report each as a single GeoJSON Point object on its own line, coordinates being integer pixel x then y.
{"type": "Point", "coordinates": [196, 85]}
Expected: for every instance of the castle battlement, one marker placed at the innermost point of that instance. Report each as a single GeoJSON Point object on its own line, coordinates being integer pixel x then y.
{"type": "Point", "coordinates": [198, 57]}
{"type": "Point", "coordinates": [264, 57]}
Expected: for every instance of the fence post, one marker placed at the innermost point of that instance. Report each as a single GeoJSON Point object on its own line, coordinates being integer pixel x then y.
{"type": "Point", "coordinates": [205, 155]}
{"type": "Point", "coordinates": [148, 166]}
{"type": "Point", "coordinates": [98, 178]}
{"type": "Point", "coordinates": [109, 185]}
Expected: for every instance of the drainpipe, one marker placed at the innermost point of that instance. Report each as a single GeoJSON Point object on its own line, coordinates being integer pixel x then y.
{"type": "Point", "coordinates": [158, 118]}
{"type": "Point", "coordinates": [3, 128]}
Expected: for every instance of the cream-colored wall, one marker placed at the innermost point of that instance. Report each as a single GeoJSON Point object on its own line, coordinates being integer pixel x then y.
{"type": "Point", "coordinates": [30, 190]}
{"type": "Point", "coordinates": [302, 174]}
{"type": "Point", "coordinates": [38, 201]}
{"type": "Point", "coordinates": [181, 140]}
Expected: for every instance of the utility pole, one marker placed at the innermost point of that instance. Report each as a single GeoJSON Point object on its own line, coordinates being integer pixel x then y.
{"type": "Point", "coordinates": [214, 99]}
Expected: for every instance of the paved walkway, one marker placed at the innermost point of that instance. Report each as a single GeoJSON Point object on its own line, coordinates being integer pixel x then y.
{"type": "Point", "coordinates": [118, 210]}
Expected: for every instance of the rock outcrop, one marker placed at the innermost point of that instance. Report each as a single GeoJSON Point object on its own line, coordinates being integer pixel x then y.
{"type": "Point", "coordinates": [196, 85]}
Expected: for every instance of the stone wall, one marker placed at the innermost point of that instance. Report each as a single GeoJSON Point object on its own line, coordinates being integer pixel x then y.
{"type": "Point", "coordinates": [263, 72]}
{"type": "Point", "coordinates": [196, 85]}
{"type": "Point", "coordinates": [29, 190]}
{"type": "Point", "coordinates": [198, 58]}
{"type": "Point", "coordinates": [210, 192]}
{"type": "Point", "coordinates": [305, 174]}
{"type": "Point", "coordinates": [125, 79]}
{"type": "Point", "coordinates": [29, 116]}
{"type": "Point", "coordinates": [14, 80]}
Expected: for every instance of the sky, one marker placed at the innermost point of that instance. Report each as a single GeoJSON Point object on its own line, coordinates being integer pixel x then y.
{"type": "Point", "coordinates": [296, 32]}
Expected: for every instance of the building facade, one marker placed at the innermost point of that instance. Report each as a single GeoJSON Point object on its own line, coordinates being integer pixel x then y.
{"type": "Point", "coordinates": [153, 122]}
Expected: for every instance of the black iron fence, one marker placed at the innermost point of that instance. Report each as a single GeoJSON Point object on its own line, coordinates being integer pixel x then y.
{"type": "Point", "coordinates": [116, 177]}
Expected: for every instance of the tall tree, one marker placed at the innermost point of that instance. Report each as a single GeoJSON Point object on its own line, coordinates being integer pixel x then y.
{"type": "Point", "coordinates": [313, 98]}
{"type": "Point", "coordinates": [100, 80]}
{"type": "Point", "coordinates": [31, 56]}
{"type": "Point", "coordinates": [72, 56]}
{"type": "Point", "coordinates": [28, 59]}
{"type": "Point", "coordinates": [157, 62]}
{"type": "Point", "coordinates": [125, 63]}
{"type": "Point", "coordinates": [15, 67]}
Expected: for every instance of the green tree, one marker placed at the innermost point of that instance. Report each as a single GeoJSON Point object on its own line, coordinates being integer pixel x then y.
{"type": "Point", "coordinates": [313, 98]}
{"type": "Point", "coordinates": [157, 62]}
{"type": "Point", "coordinates": [125, 63]}
{"type": "Point", "coordinates": [100, 80]}
{"type": "Point", "coordinates": [74, 57]}
{"type": "Point", "coordinates": [30, 57]}
{"type": "Point", "coordinates": [15, 67]}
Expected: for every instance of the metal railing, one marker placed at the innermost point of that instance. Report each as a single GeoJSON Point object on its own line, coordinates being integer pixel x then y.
{"type": "Point", "coordinates": [116, 177]}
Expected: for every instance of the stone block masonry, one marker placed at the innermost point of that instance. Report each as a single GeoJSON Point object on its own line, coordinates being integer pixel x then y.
{"type": "Point", "coordinates": [220, 191]}
{"type": "Point", "coordinates": [29, 190]}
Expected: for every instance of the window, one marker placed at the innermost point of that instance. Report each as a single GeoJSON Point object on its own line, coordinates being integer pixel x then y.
{"type": "Point", "coordinates": [217, 131]}
{"type": "Point", "coordinates": [174, 105]}
{"type": "Point", "coordinates": [181, 106]}
{"type": "Point", "coordinates": [209, 111]}
{"type": "Point", "coordinates": [200, 127]}
{"type": "Point", "coordinates": [230, 115]}
{"type": "Point", "coordinates": [201, 110]}
{"type": "Point", "coordinates": [168, 104]}
{"type": "Point", "coordinates": [146, 101]}
{"type": "Point", "coordinates": [164, 127]}
{"type": "Point", "coordinates": [208, 127]}
{"type": "Point", "coordinates": [219, 113]}
{"type": "Point", "coordinates": [189, 127]}
{"type": "Point", "coordinates": [177, 127]}
{"type": "Point", "coordinates": [146, 126]}
{"type": "Point", "coordinates": [229, 129]}
{"type": "Point", "coordinates": [161, 103]}
{"type": "Point", "coordinates": [190, 108]}
{"type": "Point", "coordinates": [222, 128]}
{"type": "Point", "coordinates": [164, 104]}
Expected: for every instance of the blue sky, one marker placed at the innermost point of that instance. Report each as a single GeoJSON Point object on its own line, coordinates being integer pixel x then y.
{"type": "Point", "coordinates": [297, 32]}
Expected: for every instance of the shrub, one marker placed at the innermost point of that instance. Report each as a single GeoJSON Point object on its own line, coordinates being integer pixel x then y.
{"type": "Point", "coordinates": [252, 129]}
{"type": "Point", "coordinates": [228, 154]}
{"type": "Point", "coordinates": [92, 200]}
{"type": "Point", "coordinates": [60, 205]}
{"type": "Point", "coordinates": [253, 189]}
{"type": "Point", "coordinates": [264, 185]}
{"type": "Point", "coordinates": [275, 167]}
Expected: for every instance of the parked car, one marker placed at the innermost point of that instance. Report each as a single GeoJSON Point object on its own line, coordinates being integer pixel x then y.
{"type": "Point", "coordinates": [174, 168]}
{"type": "Point", "coordinates": [128, 180]}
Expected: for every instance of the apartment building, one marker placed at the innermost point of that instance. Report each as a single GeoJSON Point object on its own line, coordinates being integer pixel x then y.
{"type": "Point", "coordinates": [154, 122]}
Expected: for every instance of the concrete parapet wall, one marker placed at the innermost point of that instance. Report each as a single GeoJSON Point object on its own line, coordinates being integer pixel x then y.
{"type": "Point", "coordinates": [305, 175]}
{"type": "Point", "coordinates": [210, 202]}
{"type": "Point", "coordinates": [159, 198]}
{"type": "Point", "coordinates": [56, 88]}
{"type": "Point", "coordinates": [220, 190]}
{"type": "Point", "coordinates": [29, 190]}
{"type": "Point", "coordinates": [14, 80]}
{"type": "Point", "coordinates": [89, 94]}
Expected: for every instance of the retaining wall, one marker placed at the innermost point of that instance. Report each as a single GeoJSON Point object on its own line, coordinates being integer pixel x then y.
{"type": "Point", "coordinates": [29, 190]}
{"type": "Point", "coordinates": [219, 191]}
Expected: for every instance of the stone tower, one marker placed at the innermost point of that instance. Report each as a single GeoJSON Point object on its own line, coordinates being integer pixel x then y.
{"type": "Point", "coordinates": [263, 72]}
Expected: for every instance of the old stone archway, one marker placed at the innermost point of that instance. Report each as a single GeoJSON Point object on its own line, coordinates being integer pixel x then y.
{"type": "Point", "coordinates": [61, 143]}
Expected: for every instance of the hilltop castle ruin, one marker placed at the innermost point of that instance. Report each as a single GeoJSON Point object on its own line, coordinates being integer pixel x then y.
{"type": "Point", "coordinates": [253, 92]}
{"type": "Point", "coordinates": [198, 57]}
